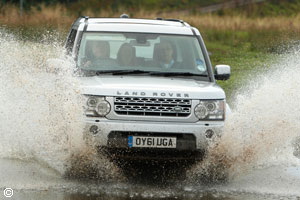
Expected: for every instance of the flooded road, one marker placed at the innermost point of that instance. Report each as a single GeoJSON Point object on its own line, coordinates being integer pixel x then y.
{"type": "Point", "coordinates": [41, 137]}
{"type": "Point", "coordinates": [31, 180]}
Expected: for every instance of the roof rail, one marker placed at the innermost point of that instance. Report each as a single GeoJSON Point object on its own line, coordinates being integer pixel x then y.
{"type": "Point", "coordinates": [172, 20]}
{"type": "Point", "coordinates": [124, 15]}
{"type": "Point", "coordinates": [86, 18]}
{"type": "Point", "coordinates": [82, 17]}
{"type": "Point", "coordinates": [79, 18]}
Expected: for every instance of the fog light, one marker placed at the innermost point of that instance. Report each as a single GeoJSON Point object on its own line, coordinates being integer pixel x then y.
{"type": "Point", "coordinates": [94, 129]}
{"type": "Point", "coordinates": [209, 133]}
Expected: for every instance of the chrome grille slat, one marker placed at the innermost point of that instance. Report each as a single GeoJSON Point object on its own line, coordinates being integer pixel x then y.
{"type": "Point", "coordinates": [143, 106]}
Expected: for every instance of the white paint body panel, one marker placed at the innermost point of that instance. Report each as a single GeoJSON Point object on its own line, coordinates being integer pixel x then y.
{"type": "Point", "coordinates": [198, 129]}
{"type": "Point", "coordinates": [222, 69]}
{"type": "Point", "coordinates": [140, 28]}
{"type": "Point", "coordinates": [107, 85]}
{"type": "Point", "coordinates": [135, 21]}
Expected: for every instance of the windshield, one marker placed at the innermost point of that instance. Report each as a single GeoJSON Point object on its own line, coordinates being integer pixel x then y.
{"type": "Point", "coordinates": [106, 52]}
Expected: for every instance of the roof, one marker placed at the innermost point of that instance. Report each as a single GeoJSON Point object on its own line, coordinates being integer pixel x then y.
{"type": "Point", "coordinates": [169, 26]}
{"type": "Point", "coordinates": [167, 22]}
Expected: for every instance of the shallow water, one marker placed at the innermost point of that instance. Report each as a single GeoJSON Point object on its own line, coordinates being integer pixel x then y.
{"type": "Point", "coordinates": [41, 136]}
{"type": "Point", "coordinates": [31, 180]}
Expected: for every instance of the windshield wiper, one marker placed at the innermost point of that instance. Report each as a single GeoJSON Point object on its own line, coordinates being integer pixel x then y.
{"type": "Point", "coordinates": [177, 74]}
{"type": "Point", "coordinates": [121, 72]}
{"type": "Point", "coordinates": [156, 73]}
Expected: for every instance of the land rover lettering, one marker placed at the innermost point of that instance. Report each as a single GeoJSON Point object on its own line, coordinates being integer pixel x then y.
{"type": "Point", "coordinates": [154, 94]}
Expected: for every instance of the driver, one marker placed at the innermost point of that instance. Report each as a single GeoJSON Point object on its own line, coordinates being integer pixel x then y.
{"type": "Point", "coordinates": [166, 55]}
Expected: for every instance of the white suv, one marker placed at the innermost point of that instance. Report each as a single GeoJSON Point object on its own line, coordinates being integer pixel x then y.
{"type": "Point", "coordinates": [150, 87]}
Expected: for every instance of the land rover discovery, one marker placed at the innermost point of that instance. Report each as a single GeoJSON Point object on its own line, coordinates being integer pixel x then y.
{"type": "Point", "coordinates": [150, 89]}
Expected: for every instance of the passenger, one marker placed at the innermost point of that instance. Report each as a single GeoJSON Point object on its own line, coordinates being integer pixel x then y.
{"type": "Point", "coordinates": [166, 55]}
{"type": "Point", "coordinates": [126, 55]}
{"type": "Point", "coordinates": [98, 54]}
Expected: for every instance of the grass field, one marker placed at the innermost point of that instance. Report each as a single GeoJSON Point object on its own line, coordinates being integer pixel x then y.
{"type": "Point", "coordinates": [247, 44]}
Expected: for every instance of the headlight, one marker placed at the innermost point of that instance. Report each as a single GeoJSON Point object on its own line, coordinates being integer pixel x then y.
{"type": "Point", "coordinates": [201, 111]}
{"type": "Point", "coordinates": [210, 110]}
{"type": "Point", "coordinates": [102, 108]}
{"type": "Point", "coordinates": [97, 106]}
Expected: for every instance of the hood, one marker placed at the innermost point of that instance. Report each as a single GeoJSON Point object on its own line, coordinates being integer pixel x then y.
{"type": "Point", "coordinates": [150, 86]}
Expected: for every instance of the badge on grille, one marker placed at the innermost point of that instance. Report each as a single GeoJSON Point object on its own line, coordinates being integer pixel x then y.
{"type": "Point", "coordinates": [177, 109]}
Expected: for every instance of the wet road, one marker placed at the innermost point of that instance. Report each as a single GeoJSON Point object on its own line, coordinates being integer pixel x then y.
{"type": "Point", "coordinates": [32, 180]}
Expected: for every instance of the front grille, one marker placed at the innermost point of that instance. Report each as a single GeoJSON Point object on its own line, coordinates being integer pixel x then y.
{"type": "Point", "coordinates": [145, 106]}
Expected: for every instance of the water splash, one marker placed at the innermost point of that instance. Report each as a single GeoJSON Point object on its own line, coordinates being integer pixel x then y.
{"type": "Point", "coordinates": [41, 121]}
{"type": "Point", "coordinates": [41, 107]}
{"type": "Point", "coordinates": [260, 131]}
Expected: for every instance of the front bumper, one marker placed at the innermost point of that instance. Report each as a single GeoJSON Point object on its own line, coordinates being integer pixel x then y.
{"type": "Point", "coordinates": [114, 133]}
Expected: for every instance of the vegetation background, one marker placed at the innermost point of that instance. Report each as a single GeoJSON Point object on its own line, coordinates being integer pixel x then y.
{"type": "Point", "coordinates": [248, 38]}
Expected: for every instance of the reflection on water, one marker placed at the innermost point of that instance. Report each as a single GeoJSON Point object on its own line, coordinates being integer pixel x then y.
{"type": "Point", "coordinates": [47, 196]}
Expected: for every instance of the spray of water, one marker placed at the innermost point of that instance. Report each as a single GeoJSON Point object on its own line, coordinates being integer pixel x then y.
{"type": "Point", "coordinates": [41, 111]}
{"type": "Point", "coordinates": [41, 118]}
{"type": "Point", "coordinates": [261, 129]}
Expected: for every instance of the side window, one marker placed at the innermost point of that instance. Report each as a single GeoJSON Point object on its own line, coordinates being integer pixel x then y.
{"type": "Point", "coordinates": [71, 40]}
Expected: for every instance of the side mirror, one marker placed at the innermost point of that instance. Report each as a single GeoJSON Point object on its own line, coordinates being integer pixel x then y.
{"type": "Point", "coordinates": [222, 72]}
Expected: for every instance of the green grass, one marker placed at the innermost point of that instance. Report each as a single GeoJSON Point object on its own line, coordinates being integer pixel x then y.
{"type": "Point", "coordinates": [249, 53]}
{"type": "Point", "coordinates": [268, 8]}
{"type": "Point", "coordinates": [245, 64]}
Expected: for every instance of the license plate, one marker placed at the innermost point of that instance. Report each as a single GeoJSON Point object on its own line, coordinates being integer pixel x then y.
{"type": "Point", "coordinates": [151, 142]}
